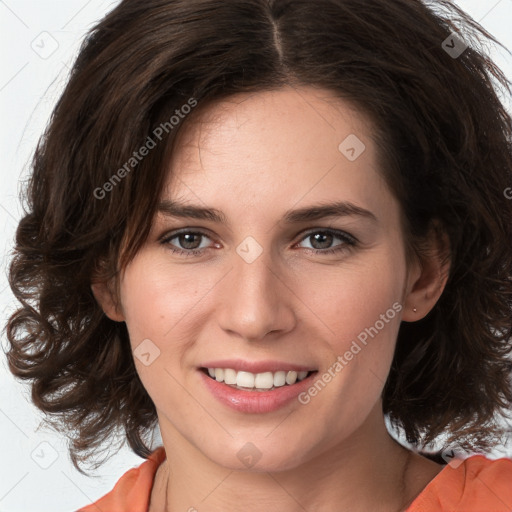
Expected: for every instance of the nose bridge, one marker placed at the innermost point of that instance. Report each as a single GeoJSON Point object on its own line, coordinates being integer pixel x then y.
{"type": "Point", "coordinates": [256, 300]}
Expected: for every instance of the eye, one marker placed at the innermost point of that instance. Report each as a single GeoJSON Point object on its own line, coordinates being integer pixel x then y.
{"type": "Point", "coordinates": [321, 241]}
{"type": "Point", "coordinates": [188, 240]}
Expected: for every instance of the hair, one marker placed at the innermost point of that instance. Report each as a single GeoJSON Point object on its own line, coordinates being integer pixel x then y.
{"type": "Point", "coordinates": [444, 137]}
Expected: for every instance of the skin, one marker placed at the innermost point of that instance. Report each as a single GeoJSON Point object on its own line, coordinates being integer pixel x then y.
{"type": "Point", "coordinates": [254, 157]}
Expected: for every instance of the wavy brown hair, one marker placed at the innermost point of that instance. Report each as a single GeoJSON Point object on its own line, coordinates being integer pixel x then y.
{"type": "Point", "coordinates": [444, 137]}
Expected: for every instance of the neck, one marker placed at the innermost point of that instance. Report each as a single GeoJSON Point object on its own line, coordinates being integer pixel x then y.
{"type": "Point", "coordinates": [369, 471]}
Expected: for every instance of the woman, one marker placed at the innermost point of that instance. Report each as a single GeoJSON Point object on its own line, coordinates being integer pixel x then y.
{"type": "Point", "coordinates": [265, 227]}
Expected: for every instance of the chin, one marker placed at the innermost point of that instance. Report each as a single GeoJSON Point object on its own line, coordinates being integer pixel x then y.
{"type": "Point", "coordinates": [256, 458]}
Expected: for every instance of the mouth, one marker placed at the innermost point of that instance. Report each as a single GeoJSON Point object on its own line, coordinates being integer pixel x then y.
{"type": "Point", "coordinates": [257, 382]}
{"type": "Point", "coordinates": [256, 393]}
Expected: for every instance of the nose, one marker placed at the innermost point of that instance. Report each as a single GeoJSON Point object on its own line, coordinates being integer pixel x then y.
{"type": "Point", "coordinates": [255, 299]}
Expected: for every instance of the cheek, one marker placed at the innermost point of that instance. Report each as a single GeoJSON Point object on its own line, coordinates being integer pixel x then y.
{"type": "Point", "coordinates": [358, 309]}
{"type": "Point", "coordinates": [156, 298]}
{"type": "Point", "coordinates": [164, 314]}
{"type": "Point", "coordinates": [155, 314]}
{"type": "Point", "coordinates": [360, 350]}
{"type": "Point", "coordinates": [351, 298]}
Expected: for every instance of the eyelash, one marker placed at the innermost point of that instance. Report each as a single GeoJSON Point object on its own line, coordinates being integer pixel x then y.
{"type": "Point", "coordinates": [348, 242]}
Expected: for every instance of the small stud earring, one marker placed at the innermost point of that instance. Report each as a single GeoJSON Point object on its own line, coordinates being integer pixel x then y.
{"type": "Point", "coordinates": [415, 310]}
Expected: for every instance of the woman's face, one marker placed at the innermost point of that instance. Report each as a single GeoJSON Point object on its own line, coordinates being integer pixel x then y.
{"type": "Point", "coordinates": [273, 282]}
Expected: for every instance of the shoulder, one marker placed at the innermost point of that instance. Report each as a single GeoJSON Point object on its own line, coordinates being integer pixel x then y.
{"type": "Point", "coordinates": [477, 484]}
{"type": "Point", "coordinates": [133, 489]}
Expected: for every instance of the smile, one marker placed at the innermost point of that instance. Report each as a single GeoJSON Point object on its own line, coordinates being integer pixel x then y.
{"type": "Point", "coordinates": [258, 393]}
{"type": "Point", "coordinates": [266, 381]}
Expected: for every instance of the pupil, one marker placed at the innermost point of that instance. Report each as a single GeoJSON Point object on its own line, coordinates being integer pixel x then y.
{"type": "Point", "coordinates": [324, 235]}
{"type": "Point", "coordinates": [186, 243]}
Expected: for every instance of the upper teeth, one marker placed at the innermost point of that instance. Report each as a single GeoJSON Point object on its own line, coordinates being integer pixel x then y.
{"type": "Point", "coordinates": [264, 380]}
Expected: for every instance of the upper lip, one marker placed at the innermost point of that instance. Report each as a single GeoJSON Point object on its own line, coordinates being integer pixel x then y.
{"type": "Point", "coordinates": [240, 365]}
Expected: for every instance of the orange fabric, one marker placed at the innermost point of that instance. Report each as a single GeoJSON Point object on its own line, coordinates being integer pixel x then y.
{"type": "Point", "coordinates": [133, 490]}
{"type": "Point", "coordinates": [477, 485]}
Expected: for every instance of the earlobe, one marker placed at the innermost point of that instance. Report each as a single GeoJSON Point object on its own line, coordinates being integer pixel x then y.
{"type": "Point", "coordinates": [429, 278]}
{"type": "Point", "coordinates": [105, 299]}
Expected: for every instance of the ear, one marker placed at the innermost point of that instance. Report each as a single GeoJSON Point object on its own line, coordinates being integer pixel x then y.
{"type": "Point", "coordinates": [427, 275]}
{"type": "Point", "coordinates": [105, 298]}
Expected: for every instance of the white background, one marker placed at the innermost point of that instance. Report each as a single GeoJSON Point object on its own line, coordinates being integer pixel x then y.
{"type": "Point", "coordinates": [39, 41]}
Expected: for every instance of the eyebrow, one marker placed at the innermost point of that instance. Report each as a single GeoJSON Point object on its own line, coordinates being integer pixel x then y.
{"type": "Point", "coordinates": [309, 213]}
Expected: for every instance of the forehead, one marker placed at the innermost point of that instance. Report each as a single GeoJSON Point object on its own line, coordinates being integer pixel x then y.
{"type": "Point", "coordinates": [275, 147]}
{"type": "Point", "coordinates": [307, 115]}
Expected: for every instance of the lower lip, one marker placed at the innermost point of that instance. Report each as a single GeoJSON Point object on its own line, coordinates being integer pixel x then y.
{"type": "Point", "coordinates": [255, 401]}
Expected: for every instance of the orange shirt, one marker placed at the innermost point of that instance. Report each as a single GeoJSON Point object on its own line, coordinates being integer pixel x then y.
{"type": "Point", "coordinates": [477, 485]}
